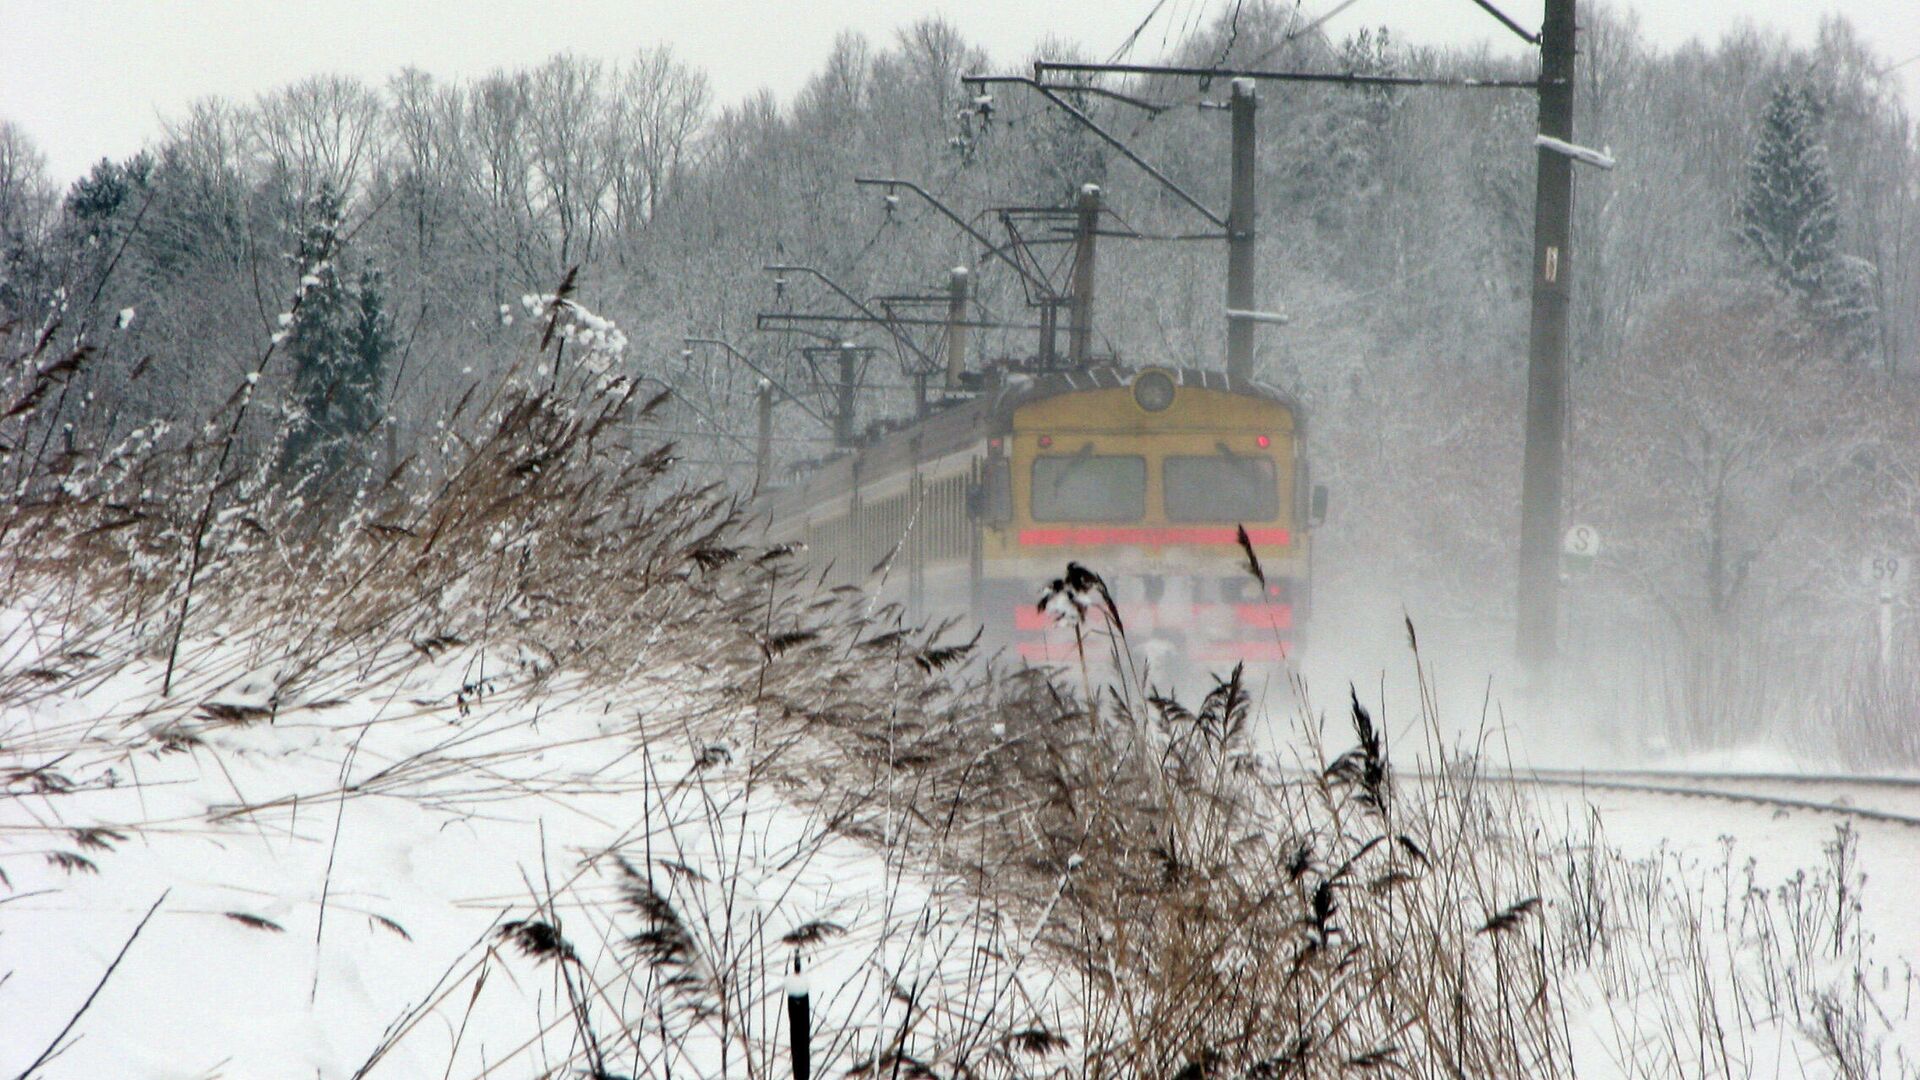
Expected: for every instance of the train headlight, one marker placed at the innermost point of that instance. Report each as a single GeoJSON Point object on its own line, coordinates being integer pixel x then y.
{"type": "Point", "coordinates": [1153, 390]}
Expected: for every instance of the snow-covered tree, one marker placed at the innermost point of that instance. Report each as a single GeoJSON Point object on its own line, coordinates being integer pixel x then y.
{"type": "Point", "coordinates": [369, 342]}
{"type": "Point", "coordinates": [338, 338]}
{"type": "Point", "coordinates": [26, 203]}
{"type": "Point", "coordinates": [1725, 457]}
{"type": "Point", "coordinates": [1789, 219]}
{"type": "Point", "coordinates": [663, 103]}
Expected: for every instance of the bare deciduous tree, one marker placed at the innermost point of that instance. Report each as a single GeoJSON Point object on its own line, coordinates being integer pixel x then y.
{"type": "Point", "coordinates": [26, 195]}
{"type": "Point", "coordinates": [318, 133]}
{"type": "Point", "coordinates": [568, 121]}
{"type": "Point", "coordinates": [1717, 454]}
{"type": "Point", "coordinates": [663, 104]}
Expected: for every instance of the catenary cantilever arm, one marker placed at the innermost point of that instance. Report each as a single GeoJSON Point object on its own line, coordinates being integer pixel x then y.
{"type": "Point", "coordinates": [762, 372]}
{"type": "Point", "coordinates": [993, 249]}
{"type": "Point", "coordinates": [859, 305]}
{"type": "Point", "coordinates": [1087, 122]}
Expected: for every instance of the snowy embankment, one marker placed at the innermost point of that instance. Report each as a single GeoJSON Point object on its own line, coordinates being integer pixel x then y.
{"type": "Point", "coordinates": [352, 885]}
{"type": "Point", "coordinates": [471, 867]}
{"type": "Point", "coordinates": [1797, 923]}
{"type": "Point", "coordinates": [535, 765]}
{"type": "Point", "coordinates": [515, 757]}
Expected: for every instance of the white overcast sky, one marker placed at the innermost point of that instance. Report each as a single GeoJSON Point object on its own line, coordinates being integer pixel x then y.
{"type": "Point", "coordinates": [93, 78]}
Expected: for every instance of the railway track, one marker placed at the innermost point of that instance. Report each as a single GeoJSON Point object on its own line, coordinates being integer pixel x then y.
{"type": "Point", "coordinates": [1740, 787]}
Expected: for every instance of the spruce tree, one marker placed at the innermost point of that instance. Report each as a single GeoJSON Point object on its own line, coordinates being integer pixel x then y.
{"type": "Point", "coordinates": [370, 343]}
{"type": "Point", "coordinates": [339, 341]}
{"type": "Point", "coordinates": [1789, 219]}
{"type": "Point", "coordinates": [99, 195]}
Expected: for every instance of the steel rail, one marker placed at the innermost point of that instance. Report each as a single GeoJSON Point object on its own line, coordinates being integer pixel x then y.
{"type": "Point", "coordinates": [1643, 787]}
{"type": "Point", "coordinates": [1731, 777]}
{"type": "Point", "coordinates": [1649, 781]}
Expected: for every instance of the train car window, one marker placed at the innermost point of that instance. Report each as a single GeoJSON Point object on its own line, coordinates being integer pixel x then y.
{"type": "Point", "coordinates": [1089, 487]}
{"type": "Point", "coordinates": [1221, 487]}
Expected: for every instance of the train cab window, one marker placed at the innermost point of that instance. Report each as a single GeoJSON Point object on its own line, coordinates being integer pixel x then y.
{"type": "Point", "coordinates": [1221, 487]}
{"type": "Point", "coordinates": [1089, 487]}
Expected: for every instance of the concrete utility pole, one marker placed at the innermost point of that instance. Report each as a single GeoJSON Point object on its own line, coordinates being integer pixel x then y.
{"type": "Point", "coordinates": [1080, 332]}
{"type": "Point", "coordinates": [843, 395]}
{"type": "Point", "coordinates": [1241, 213]}
{"type": "Point", "coordinates": [957, 283]}
{"type": "Point", "coordinates": [1546, 432]}
{"type": "Point", "coordinates": [763, 441]}
{"type": "Point", "coordinates": [1886, 637]}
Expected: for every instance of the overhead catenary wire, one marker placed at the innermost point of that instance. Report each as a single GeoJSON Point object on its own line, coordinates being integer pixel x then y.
{"type": "Point", "coordinates": [1087, 122]}
{"type": "Point", "coordinates": [1897, 65]}
{"type": "Point", "coordinates": [1501, 16]}
{"type": "Point", "coordinates": [1126, 46]}
{"type": "Point", "coordinates": [718, 430]}
{"type": "Point", "coordinates": [763, 373]}
{"type": "Point", "coordinates": [1312, 26]}
{"type": "Point", "coordinates": [1345, 78]}
{"type": "Point", "coordinates": [902, 342]}
{"type": "Point", "coordinates": [1233, 32]}
{"type": "Point", "coordinates": [696, 434]}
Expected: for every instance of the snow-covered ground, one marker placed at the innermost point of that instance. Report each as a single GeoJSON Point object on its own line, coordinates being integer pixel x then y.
{"type": "Point", "coordinates": [329, 888]}
{"type": "Point", "coordinates": [1724, 849]}
{"type": "Point", "coordinates": [457, 869]}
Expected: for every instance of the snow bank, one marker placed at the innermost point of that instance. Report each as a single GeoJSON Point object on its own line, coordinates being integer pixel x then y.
{"type": "Point", "coordinates": [333, 883]}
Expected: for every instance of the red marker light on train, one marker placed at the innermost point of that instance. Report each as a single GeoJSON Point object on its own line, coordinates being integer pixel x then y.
{"type": "Point", "coordinates": [1046, 441]}
{"type": "Point", "coordinates": [1262, 441]}
{"type": "Point", "coordinates": [993, 444]}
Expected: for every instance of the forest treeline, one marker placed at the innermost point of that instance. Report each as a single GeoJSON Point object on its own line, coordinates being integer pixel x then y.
{"type": "Point", "coordinates": [1746, 320]}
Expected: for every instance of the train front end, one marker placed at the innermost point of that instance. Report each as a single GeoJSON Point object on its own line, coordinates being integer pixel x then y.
{"type": "Point", "coordinates": [1148, 480]}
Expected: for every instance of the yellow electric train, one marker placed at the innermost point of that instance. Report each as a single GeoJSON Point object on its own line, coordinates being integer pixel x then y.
{"type": "Point", "coordinates": [1142, 475]}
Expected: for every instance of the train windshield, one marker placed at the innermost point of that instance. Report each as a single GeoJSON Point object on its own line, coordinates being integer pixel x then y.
{"type": "Point", "coordinates": [1221, 487]}
{"type": "Point", "coordinates": [1089, 487]}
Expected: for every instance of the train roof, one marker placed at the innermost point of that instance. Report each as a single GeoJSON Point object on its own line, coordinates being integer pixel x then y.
{"type": "Point", "coordinates": [1020, 390]}
{"type": "Point", "coordinates": [956, 425]}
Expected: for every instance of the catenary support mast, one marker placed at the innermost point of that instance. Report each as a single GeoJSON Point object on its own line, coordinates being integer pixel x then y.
{"type": "Point", "coordinates": [1080, 330]}
{"type": "Point", "coordinates": [1241, 213]}
{"type": "Point", "coordinates": [763, 435]}
{"type": "Point", "coordinates": [958, 281]}
{"type": "Point", "coordinates": [843, 396]}
{"type": "Point", "coordinates": [1542, 477]}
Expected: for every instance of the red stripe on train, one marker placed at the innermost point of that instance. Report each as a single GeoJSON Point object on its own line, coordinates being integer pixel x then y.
{"type": "Point", "coordinates": [1028, 617]}
{"type": "Point", "coordinates": [1273, 616]}
{"type": "Point", "coordinates": [1047, 652]}
{"type": "Point", "coordinates": [1209, 652]}
{"type": "Point", "coordinates": [1082, 536]}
